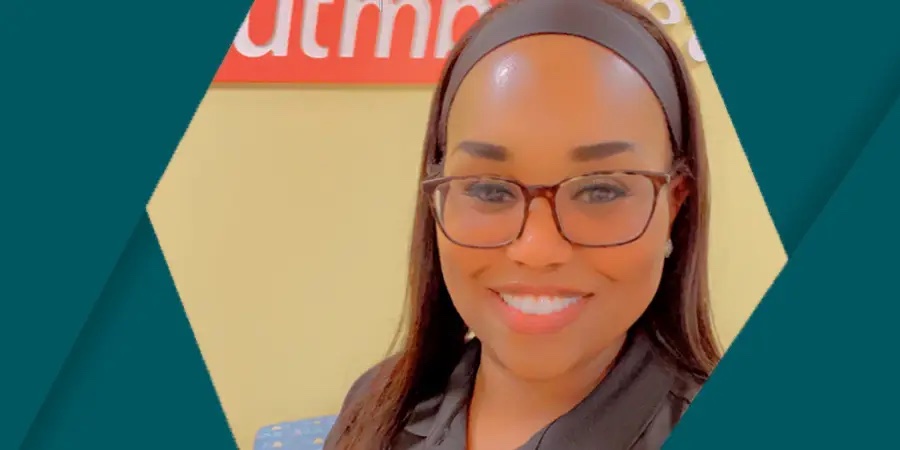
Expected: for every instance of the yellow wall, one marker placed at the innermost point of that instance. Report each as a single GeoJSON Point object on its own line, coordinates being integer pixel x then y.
{"type": "Point", "coordinates": [292, 295]}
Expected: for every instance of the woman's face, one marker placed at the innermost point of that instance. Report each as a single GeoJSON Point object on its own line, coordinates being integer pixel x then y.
{"type": "Point", "coordinates": [541, 110]}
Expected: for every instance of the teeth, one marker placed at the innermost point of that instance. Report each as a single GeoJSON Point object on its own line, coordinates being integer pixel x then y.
{"type": "Point", "coordinates": [542, 305]}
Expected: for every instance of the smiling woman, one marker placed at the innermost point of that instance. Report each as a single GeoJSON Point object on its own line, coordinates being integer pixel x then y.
{"type": "Point", "coordinates": [562, 221]}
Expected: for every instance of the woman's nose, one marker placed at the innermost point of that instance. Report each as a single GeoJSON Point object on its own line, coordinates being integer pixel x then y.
{"type": "Point", "coordinates": [541, 246]}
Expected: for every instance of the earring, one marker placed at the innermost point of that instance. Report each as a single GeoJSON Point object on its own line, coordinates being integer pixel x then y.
{"type": "Point", "coordinates": [668, 248]}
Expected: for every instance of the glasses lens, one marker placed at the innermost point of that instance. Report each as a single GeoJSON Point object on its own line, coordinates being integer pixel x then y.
{"type": "Point", "coordinates": [605, 209]}
{"type": "Point", "coordinates": [480, 212]}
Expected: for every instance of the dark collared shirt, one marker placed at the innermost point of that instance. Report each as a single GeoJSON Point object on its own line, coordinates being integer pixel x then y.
{"type": "Point", "coordinates": [634, 408]}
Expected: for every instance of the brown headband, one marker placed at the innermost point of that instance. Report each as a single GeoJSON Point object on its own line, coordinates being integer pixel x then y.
{"type": "Point", "coordinates": [593, 20]}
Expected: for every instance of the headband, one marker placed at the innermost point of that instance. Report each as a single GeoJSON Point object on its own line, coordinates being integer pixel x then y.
{"type": "Point", "coordinates": [593, 20]}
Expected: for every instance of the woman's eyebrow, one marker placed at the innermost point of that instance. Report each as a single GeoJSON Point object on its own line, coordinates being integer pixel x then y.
{"type": "Point", "coordinates": [600, 150]}
{"type": "Point", "coordinates": [484, 150]}
{"type": "Point", "coordinates": [589, 152]}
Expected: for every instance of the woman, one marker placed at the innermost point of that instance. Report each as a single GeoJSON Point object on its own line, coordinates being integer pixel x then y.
{"type": "Point", "coordinates": [563, 223]}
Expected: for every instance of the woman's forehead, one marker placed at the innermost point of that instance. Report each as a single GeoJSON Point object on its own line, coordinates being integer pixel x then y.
{"type": "Point", "coordinates": [558, 87]}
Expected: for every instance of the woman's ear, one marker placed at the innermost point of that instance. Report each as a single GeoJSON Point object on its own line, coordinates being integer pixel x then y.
{"type": "Point", "coordinates": [678, 193]}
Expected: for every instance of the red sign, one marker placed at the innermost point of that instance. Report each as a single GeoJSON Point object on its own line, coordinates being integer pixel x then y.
{"type": "Point", "coordinates": [347, 41]}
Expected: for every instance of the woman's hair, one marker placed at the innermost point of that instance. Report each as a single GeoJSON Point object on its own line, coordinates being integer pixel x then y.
{"type": "Point", "coordinates": [433, 335]}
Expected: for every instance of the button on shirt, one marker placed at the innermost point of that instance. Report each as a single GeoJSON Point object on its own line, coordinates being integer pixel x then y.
{"type": "Point", "coordinates": [635, 407]}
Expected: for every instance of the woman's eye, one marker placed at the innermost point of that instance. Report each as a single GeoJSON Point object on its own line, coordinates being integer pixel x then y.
{"type": "Point", "coordinates": [600, 193]}
{"type": "Point", "coordinates": [490, 193]}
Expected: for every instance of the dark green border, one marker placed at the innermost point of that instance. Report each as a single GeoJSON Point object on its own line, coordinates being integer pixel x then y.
{"type": "Point", "coordinates": [98, 354]}
{"type": "Point", "coordinates": [96, 350]}
{"type": "Point", "coordinates": [812, 88]}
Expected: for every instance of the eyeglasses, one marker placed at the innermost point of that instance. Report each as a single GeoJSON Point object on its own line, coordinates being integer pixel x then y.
{"type": "Point", "coordinates": [600, 209]}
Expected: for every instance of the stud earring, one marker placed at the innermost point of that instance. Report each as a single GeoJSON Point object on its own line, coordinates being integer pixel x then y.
{"type": "Point", "coordinates": [668, 248]}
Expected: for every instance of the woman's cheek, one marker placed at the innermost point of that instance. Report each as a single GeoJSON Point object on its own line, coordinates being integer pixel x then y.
{"type": "Point", "coordinates": [461, 268]}
{"type": "Point", "coordinates": [639, 262]}
{"type": "Point", "coordinates": [461, 264]}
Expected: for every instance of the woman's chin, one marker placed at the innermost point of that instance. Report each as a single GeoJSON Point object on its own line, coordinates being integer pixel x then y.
{"type": "Point", "coordinates": [529, 364]}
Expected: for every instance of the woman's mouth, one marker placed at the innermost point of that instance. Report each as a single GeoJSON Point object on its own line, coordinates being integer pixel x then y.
{"type": "Point", "coordinates": [538, 311]}
{"type": "Point", "coordinates": [538, 305]}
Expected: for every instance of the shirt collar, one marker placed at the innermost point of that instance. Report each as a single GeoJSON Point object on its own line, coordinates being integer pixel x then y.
{"type": "Point", "coordinates": [615, 413]}
{"type": "Point", "coordinates": [432, 418]}
{"type": "Point", "coordinates": [619, 409]}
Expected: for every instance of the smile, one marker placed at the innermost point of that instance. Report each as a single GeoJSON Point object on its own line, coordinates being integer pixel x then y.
{"type": "Point", "coordinates": [539, 305]}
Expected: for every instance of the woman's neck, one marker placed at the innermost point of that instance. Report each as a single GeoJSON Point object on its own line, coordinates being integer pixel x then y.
{"type": "Point", "coordinates": [503, 399]}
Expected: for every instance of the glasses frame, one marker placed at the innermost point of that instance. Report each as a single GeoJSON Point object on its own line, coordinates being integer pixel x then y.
{"type": "Point", "coordinates": [532, 192]}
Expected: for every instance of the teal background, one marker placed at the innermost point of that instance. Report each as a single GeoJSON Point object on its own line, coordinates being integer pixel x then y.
{"type": "Point", "coordinates": [95, 348]}
{"type": "Point", "coordinates": [813, 91]}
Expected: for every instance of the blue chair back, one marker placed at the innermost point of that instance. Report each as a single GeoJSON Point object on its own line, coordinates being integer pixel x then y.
{"type": "Point", "coordinates": [306, 434]}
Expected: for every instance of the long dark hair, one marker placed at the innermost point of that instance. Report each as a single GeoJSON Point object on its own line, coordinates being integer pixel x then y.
{"type": "Point", "coordinates": [432, 337]}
